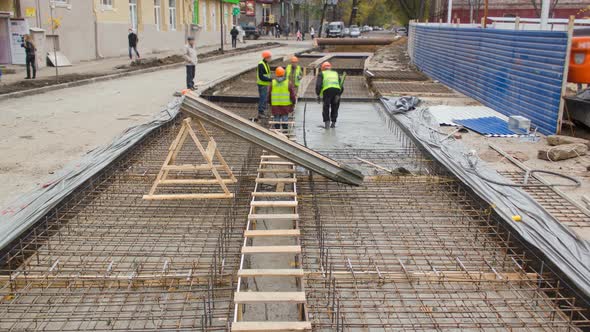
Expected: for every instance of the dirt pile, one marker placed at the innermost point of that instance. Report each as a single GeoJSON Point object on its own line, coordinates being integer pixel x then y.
{"type": "Point", "coordinates": [43, 82]}
{"type": "Point", "coordinates": [391, 57]}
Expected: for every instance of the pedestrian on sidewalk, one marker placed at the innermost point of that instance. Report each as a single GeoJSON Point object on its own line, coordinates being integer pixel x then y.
{"type": "Point", "coordinates": [132, 38]}
{"type": "Point", "coordinates": [277, 30]}
{"type": "Point", "coordinates": [299, 35]}
{"type": "Point", "coordinates": [312, 33]}
{"type": "Point", "coordinates": [190, 58]}
{"type": "Point", "coordinates": [329, 86]}
{"type": "Point", "coordinates": [282, 98]}
{"type": "Point", "coordinates": [30, 58]}
{"type": "Point", "coordinates": [234, 36]}
{"type": "Point", "coordinates": [263, 80]}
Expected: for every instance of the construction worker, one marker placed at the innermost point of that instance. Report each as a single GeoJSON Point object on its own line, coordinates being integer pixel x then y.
{"type": "Point", "coordinates": [329, 86]}
{"type": "Point", "coordinates": [263, 80]}
{"type": "Point", "coordinates": [281, 97]}
{"type": "Point", "coordinates": [294, 75]}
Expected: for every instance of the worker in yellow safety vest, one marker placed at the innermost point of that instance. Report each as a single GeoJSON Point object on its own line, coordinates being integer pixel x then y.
{"type": "Point", "coordinates": [329, 86]}
{"type": "Point", "coordinates": [294, 75]}
{"type": "Point", "coordinates": [263, 80]}
{"type": "Point", "coordinates": [282, 98]}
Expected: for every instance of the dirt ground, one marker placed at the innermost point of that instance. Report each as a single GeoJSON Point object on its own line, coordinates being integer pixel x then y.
{"type": "Point", "coordinates": [526, 152]}
{"type": "Point", "coordinates": [43, 82]}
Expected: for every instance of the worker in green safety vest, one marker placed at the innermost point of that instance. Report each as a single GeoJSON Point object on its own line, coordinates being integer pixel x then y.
{"type": "Point", "coordinates": [329, 86]}
{"type": "Point", "coordinates": [263, 80]}
{"type": "Point", "coordinates": [294, 75]}
{"type": "Point", "coordinates": [282, 98]}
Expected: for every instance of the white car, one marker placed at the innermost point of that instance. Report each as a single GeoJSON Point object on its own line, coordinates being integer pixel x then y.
{"type": "Point", "coordinates": [355, 31]}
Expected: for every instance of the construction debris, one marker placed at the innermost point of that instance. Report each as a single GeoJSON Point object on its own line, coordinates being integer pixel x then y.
{"type": "Point", "coordinates": [562, 152]}
{"type": "Point", "coordinates": [554, 140]}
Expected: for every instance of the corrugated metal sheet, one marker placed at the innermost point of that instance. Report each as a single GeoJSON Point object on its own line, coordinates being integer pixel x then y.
{"type": "Point", "coordinates": [446, 114]}
{"type": "Point", "coordinates": [514, 72]}
{"type": "Point", "coordinates": [488, 126]}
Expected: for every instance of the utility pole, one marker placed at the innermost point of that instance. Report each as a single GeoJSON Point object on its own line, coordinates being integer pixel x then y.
{"type": "Point", "coordinates": [51, 8]}
{"type": "Point", "coordinates": [221, 23]}
{"type": "Point", "coordinates": [450, 11]}
{"type": "Point", "coordinates": [545, 4]}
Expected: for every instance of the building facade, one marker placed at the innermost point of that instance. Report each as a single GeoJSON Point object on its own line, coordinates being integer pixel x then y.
{"type": "Point", "coordinates": [473, 10]}
{"type": "Point", "coordinates": [92, 29]}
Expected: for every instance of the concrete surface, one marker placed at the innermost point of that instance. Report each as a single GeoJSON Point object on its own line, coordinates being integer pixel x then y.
{"type": "Point", "coordinates": [42, 133]}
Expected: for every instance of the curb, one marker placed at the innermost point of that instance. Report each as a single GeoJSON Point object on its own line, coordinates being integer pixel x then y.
{"type": "Point", "coordinates": [24, 93]}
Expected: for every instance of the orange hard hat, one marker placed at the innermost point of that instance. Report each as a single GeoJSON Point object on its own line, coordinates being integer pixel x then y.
{"type": "Point", "coordinates": [266, 55]}
{"type": "Point", "coordinates": [185, 91]}
{"type": "Point", "coordinates": [294, 59]}
{"type": "Point", "coordinates": [326, 65]}
{"type": "Point", "coordinates": [280, 71]}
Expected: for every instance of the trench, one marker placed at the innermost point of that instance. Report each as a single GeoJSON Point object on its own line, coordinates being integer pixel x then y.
{"type": "Point", "coordinates": [402, 251]}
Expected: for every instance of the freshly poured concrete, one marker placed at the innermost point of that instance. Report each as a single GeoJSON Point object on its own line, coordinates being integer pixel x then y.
{"type": "Point", "coordinates": [359, 126]}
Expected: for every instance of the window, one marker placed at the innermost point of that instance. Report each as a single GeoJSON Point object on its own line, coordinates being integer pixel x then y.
{"type": "Point", "coordinates": [106, 4]}
{"type": "Point", "coordinates": [157, 14]}
{"type": "Point", "coordinates": [133, 13]}
{"type": "Point", "coordinates": [172, 14]}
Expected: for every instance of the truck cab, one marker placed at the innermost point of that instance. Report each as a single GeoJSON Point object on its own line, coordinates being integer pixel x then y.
{"type": "Point", "coordinates": [335, 30]}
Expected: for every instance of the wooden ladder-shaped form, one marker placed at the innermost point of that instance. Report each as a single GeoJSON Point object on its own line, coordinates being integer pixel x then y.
{"type": "Point", "coordinates": [280, 175]}
{"type": "Point", "coordinates": [209, 154]}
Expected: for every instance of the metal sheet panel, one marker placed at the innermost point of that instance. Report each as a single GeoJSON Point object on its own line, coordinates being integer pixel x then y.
{"type": "Point", "coordinates": [514, 72]}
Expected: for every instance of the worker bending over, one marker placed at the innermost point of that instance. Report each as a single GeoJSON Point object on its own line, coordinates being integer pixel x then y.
{"type": "Point", "coordinates": [294, 72]}
{"type": "Point", "coordinates": [263, 80]}
{"type": "Point", "coordinates": [329, 87]}
{"type": "Point", "coordinates": [282, 98]}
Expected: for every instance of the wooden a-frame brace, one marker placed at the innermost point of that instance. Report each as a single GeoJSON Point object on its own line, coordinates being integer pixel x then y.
{"type": "Point", "coordinates": [210, 153]}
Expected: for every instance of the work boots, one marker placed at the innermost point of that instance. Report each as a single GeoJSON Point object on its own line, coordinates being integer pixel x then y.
{"type": "Point", "coordinates": [333, 124]}
{"type": "Point", "coordinates": [326, 124]}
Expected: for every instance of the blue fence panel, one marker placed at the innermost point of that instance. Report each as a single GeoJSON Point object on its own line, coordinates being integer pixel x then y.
{"type": "Point", "coordinates": [514, 72]}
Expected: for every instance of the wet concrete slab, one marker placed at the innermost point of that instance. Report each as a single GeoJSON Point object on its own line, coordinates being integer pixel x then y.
{"type": "Point", "coordinates": [359, 126]}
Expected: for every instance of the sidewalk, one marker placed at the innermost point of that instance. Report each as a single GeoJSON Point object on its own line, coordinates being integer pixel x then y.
{"type": "Point", "coordinates": [107, 65]}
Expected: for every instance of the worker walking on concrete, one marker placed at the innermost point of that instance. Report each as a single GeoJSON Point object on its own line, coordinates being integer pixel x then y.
{"type": "Point", "coordinates": [282, 98]}
{"type": "Point", "coordinates": [263, 80]}
{"type": "Point", "coordinates": [329, 86]}
{"type": "Point", "coordinates": [294, 72]}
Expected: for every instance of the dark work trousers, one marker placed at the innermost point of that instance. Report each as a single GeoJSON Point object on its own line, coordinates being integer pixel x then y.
{"type": "Point", "coordinates": [31, 63]}
{"type": "Point", "coordinates": [234, 41]}
{"type": "Point", "coordinates": [331, 104]}
{"type": "Point", "coordinates": [190, 76]}
{"type": "Point", "coordinates": [133, 48]}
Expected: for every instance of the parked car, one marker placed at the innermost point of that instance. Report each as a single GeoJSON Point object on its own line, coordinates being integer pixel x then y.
{"type": "Point", "coordinates": [376, 28]}
{"type": "Point", "coordinates": [346, 32]}
{"type": "Point", "coordinates": [335, 29]}
{"type": "Point", "coordinates": [355, 31]}
{"type": "Point", "coordinates": [250, 31]}
{"type": "Point", "coordinates": [402, 31]}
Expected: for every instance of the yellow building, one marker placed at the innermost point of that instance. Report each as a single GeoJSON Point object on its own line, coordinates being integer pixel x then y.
{"type": "Point", "coordinates": [160, 24]}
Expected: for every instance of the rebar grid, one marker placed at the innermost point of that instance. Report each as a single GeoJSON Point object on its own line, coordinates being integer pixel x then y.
{"type": "Point", "coordinates": [389, 88]}
{"type": "Point", "coordinates": [413, 252]}
{"type": "Point", "coordinates": [354, 87]}
{"type": "Point", "coordinates": [398, 75]}
{"type": "Point", "coordinates": [107, 259]}
{"type": "Point", "coordinates": [564, 211]}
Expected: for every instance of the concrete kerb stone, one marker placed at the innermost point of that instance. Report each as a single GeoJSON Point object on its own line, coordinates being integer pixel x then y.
{"type": "Point", "coordinates": [19, 94]}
